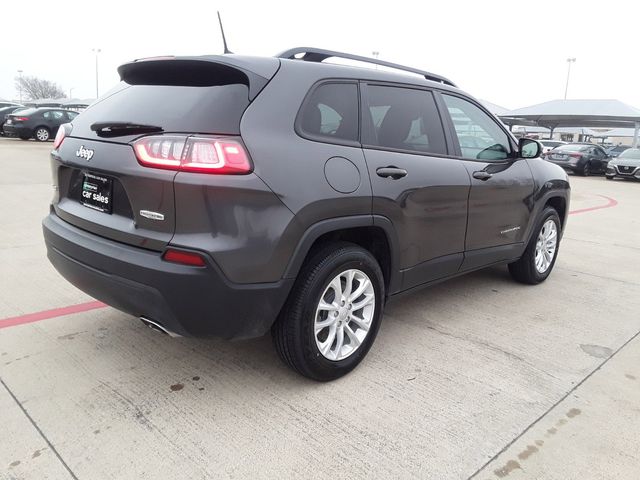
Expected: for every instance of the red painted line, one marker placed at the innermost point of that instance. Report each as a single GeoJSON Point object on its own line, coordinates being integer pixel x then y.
{"type": "Point", "coordinates": [46, 314]}
{"type": "Point", "coordinates": [611, 202]}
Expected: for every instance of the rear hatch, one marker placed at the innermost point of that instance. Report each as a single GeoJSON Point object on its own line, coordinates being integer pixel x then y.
{"type": "Point", "coordinates": [101, 186]}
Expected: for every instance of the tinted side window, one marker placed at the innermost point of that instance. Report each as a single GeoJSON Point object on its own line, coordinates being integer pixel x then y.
{"type": "Point", "coordinates": [479, 135]}
{"type": "Point", "coordinates": [404, 119]}
{"type": "Point", "coordinates": [71, 115]}
{"type": "Point", "coordinates": [331, 111]}
{"type": "Point", "coordinates": [53, 115]}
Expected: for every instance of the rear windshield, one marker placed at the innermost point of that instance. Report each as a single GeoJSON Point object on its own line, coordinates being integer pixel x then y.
{"type": "Point", "coordinates": [25, 111]}
{"type": "Point", "coordinates": [180, 109]}
{"type": "Point", "coordinates": [550, 144]}
{"type": "Point", "coordinates": [571, 148]}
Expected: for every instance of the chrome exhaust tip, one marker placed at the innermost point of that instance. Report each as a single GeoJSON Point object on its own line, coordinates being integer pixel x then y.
{"type": "Point", "coordinates": [158, 327]}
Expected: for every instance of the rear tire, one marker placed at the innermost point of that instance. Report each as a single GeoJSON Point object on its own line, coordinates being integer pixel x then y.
{"type": "Point", "coordinates": [586, 170]}
{"type": "Point", "coordinates": [307, 334]}
{"type": "Point", "coordinates": [527, 269]}
{"type": "Point", "coordinates": [42, 134]}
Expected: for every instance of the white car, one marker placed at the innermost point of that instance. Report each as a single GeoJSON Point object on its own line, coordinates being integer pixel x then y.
{"type": "Point", "coordinates": [548, 145]}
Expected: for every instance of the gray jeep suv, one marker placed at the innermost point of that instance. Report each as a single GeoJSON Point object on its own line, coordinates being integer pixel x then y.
{"type": "Point", "coordinates": [232, 195]}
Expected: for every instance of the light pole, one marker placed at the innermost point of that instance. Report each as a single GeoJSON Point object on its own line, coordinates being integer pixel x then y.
{"type": "Point", "coordinates": [20, 85]}
{"type": "Point", "coordinates": [569, 62]}
{"type": "Point", "coordinates": [96, 51]}
{"type": "Point", "coordinates": [71, 92]}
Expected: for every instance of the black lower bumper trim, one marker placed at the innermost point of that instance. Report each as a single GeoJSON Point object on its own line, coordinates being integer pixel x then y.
{"type": "Point", "coordinates": [190, 301]}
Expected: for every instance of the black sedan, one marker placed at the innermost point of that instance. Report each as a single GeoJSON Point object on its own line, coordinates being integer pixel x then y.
{"type": "Point", "coordinates": [39, 123]}
{"type": "Point", "coordinates": [580, 158]}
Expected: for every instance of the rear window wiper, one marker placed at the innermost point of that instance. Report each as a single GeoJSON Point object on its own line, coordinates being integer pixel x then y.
{"type": "Point", "coordinates": [118, 129]}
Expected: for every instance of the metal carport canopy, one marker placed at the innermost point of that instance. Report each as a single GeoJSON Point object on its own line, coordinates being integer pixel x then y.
{"type": "Point", "coordinates": [578, 113]}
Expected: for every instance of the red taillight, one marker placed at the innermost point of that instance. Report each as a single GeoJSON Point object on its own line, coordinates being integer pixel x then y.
{"type": "Point", "coordinates": [575, 155]}
{"type": "Point", "coordinates": [184, 258]}
{"type": "Point", "coordinates": [62, 133]}
{"type": "Point", "coordinates": [193, 154]}
{"type": "Point", "coordinates": [20, 119]}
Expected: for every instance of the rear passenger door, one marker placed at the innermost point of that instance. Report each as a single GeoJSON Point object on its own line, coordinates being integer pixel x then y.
{"type": "Point", "coordinates": [501, 197]}
{"type": "Point", "coordinates": [54, 118]}
{"type": "Point", "coordinates": [415, 183]}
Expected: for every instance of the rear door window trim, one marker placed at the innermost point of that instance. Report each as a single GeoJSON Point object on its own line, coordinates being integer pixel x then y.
{"type": "Point", "coordinates": [364, 84]}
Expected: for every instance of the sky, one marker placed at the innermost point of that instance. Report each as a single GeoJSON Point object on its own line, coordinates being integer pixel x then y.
{"type": "Point", "coordinates": [511, 53]}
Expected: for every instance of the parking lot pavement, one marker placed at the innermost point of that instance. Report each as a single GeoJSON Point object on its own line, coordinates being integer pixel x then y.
{"type": "Point", "coordinates": [462, 379]}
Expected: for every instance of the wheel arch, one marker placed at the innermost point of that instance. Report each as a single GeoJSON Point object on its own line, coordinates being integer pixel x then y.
{"type": "Point", "coordinates": [559, 203]}
{"type": "Point", "coordinates": [374, 233]}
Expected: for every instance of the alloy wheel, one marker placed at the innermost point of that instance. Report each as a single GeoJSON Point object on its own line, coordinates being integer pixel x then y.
{"type": "Point", "coordinates": [344, 314]}
{"type": "Point", "coordinates": [546, 246]}
{"type": "Point", "coordinates": [42, 134]}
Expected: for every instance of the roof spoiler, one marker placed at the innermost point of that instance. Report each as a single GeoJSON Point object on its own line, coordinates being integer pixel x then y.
{"type": "Point", "coordinates": [192, 72]}
{"type": "Point", "coordinates": [310, 54]}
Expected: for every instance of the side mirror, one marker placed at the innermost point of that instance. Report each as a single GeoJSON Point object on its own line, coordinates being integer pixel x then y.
{"type": "Point", "coordinates": [528, 148]}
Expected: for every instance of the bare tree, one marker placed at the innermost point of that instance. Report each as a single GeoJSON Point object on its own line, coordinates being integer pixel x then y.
{"type": "Point", "coordinates": [34, 88]}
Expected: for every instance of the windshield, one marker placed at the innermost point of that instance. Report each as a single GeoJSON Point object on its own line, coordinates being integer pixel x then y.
{"type": "Point", "coordinates": [631, 153]}
{"type": "Point", "coordinates": [547, 143]}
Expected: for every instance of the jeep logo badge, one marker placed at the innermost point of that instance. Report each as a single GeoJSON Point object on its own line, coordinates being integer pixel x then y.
{"type": "Point", "coordinates": [84, 153]}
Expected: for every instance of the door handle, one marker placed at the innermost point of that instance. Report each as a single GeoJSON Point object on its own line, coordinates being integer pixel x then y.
{"type": "Point", "coordinates": [393, 172]}
{"type": "Point", "coordinates": [482, 175]}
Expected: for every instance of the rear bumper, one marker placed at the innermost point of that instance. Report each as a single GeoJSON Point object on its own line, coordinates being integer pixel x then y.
{"type": "Point", "coordinates": [16, 131]}
{"type": "Point", "coordinates": [190, 301]}
{"type": "Point", "coordinates": [572, 167]}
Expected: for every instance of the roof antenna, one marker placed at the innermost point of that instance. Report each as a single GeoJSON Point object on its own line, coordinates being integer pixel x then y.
{"type": "Point", "coordinates": [224, 40]}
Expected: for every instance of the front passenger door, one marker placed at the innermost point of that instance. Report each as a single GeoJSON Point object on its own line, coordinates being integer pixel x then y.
{"type": "Point", "coordinates": [501, 197]}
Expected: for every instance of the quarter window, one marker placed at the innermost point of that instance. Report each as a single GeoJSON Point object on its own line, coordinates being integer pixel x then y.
{"type": "Point", "coordinates": [403, 119]}
{"type": "Point", "coordinates": [331, 112]}
{"type": "Point", "coordinates": [479, 136]}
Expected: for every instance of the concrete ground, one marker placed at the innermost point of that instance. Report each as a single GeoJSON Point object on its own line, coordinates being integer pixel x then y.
{"type": "Point", "coordinates": [477, 377]}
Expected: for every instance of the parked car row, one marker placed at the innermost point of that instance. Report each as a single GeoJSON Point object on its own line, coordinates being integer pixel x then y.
{"type": "Point", "coordinates": [39, 123]}
{"type": "Point", "coordinates": [579, 158]}
{"type": "Point", "coordinates": [586, 159]}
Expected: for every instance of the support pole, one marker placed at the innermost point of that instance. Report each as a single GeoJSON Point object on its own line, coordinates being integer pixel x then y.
{"type": "Point", "coordinates": [635, 135]}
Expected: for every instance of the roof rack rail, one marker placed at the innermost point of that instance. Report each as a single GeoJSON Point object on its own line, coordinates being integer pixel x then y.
{"type": "Point", "coordinates": [318, 55]}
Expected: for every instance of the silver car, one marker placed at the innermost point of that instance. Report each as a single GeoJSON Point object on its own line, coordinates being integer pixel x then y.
{"type": "Point", "coordinates": [625, 165]}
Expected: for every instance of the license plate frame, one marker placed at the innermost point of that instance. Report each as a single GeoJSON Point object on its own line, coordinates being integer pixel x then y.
{"type": "Point", "coordinates": [97, 192]}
